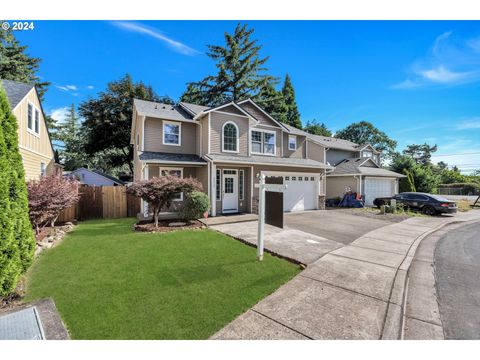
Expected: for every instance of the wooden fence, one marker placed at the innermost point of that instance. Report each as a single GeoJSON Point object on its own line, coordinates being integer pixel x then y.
{"type": "Point", "coordinates": [102, 202]}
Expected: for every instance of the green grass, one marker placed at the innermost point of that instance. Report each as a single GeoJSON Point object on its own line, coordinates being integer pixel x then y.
{"type": "Point", "coordinates": [111, 283]}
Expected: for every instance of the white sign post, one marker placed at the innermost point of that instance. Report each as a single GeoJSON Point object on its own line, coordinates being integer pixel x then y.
{"type": "Point", "coordinates": [262, 187]}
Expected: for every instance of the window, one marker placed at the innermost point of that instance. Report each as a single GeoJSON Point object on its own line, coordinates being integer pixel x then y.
{"type": "Point", "coordinates": [294, 178]}
{"type": "Point", "coordinates": [300, 178]}
{"type": "Point", "coordinates": [33, 119]}
{"type": "Point", "coordinates": [240, 184]}
{"type": "Point", "coordinates": [173, 172]}
{"type": "Point", "coordinates": [171, 133]}
{"type": "Point", "coordinates": [287, 178]}
{"type": "Point", "coordinates": [292, 142]}
{"type": "Point", "coordinates": [263, 142]}
{"type": "Point", "coordinates": [230, 137]}
{"type": "Point", "coordinates": [217, 185]}
{"type": "Point", "coordinates": [367, 154]}
{"type": "Point", "coordinates": [43, 169]}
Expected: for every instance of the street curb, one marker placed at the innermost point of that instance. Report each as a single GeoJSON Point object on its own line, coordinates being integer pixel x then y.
{"type": "Point", "coordinates": [395, 320]}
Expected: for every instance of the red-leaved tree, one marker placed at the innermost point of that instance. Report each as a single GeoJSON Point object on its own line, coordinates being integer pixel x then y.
{"type": "Point", "coordinates": [48, 196]}
{"type": "Point", "coordinates": [159, 192]}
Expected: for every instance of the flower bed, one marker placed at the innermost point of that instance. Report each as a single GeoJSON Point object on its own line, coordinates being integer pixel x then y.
{"type": "Point", "coordinates": [168, 225]}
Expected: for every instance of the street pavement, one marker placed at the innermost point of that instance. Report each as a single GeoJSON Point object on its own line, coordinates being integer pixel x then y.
{"type": "Point", "coordinates": [457, 271]}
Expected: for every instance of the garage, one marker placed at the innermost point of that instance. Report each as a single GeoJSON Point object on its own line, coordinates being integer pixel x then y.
{"type": "Point", "coordinates": [378, 187]}
{"type": "Point", "coordinates": [302, 190]}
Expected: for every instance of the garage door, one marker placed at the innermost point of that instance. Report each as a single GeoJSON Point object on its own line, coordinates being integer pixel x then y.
{"type": "Point", "coordinates": [301, 192]}
{"type": "Point", "coordinates": [378, 188]}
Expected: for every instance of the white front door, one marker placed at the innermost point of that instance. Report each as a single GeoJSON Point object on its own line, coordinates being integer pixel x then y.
{"type": "Point", "coordinates": [230, 191]}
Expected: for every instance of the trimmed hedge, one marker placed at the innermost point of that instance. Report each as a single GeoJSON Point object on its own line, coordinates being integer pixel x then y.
{"type": "Point", "coordinates": [196, 204]}
{"type": "Point", "coordinates": [17, 244]}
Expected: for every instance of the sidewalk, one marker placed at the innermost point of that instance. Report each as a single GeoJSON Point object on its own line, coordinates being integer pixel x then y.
{"type": "Point", "coordinates": [354, 292]}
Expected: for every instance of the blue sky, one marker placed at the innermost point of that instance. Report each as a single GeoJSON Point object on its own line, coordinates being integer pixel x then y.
{"type": "Point", "coordinates": [419, 81]}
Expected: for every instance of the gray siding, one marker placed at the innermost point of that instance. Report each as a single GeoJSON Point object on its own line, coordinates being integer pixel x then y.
{"type": "Point", "coordinates": [316, 152]}
{"type": "Point", "coordinates": [154, 137]}
{"type": "Point", "coordinates": [300, 152]}
{"type": "Point", "coordinates": [216, 125]}
{"type": "Point", "coordinates": [257, 114]}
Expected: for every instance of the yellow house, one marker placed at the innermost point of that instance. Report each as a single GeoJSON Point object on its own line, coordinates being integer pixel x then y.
{"type": "Point", "coordinates": [33, 138]}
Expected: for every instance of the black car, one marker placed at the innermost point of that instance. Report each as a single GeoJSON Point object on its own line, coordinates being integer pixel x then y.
{"type": "Point", "coordinates": [429, 204]}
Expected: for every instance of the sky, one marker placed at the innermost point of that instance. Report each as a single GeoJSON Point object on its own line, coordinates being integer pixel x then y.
{"type": "Point", "coordinates": [418, 81]}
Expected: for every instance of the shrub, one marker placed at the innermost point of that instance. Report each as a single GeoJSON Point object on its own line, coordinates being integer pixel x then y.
{"type": "Point", "coordinates": [195, 205]}
{"type": "Point", "coordinates": [48, 196]}
{"type": "Point", "coordinates": [159, 192]}
{"type": "Point", "coordinates": [17, 244]}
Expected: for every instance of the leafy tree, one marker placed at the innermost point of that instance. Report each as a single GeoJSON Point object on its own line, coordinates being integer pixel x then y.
{"type": "Point", "coordinates": [424, 179]}
{"type": "Point", "coordinates": [16, 237]}
{"type": "Point", "coordinates": [364, 132]}
{"type": "Point", "coordinates": [159, 192]}
{"type": "Point", "coordinates": [17, 65]}
{"type": "Point", "coordinates": [240, 71]}
{"type": "Point", "coordinates": [410, 181]}
{"type": "Point", "coordinates": [292, 116]}
{"type": "Point", "coordinates": [316, 128]}
{"type": "Point", "coordinates": [422, 154]}
{"type": "Point", "coordinates": [107, 121]}
{"type": "Point", "coordinates": [47, 198]}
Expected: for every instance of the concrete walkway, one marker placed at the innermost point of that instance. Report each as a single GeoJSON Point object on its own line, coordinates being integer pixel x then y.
{"type": "Point", "coordinates": [351, 292]}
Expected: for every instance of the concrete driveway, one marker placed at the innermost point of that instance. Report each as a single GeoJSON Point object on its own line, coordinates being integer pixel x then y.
{"type": "Point", "coordinates": [333, 225]}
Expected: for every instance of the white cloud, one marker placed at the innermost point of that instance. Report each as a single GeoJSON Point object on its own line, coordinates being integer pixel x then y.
{"type": "Point", "coordinates": [154, 33]}
{"type": "Point", "coordinates": [67, 87]}
{"type": "Point", "coordinates": [59, 114]}
{"type": "Point", "coordinates": [89, 87]}
{"type": "Point", "coordinates": [469, 124]}
{"type": "Point", "coordinates": [449, 62]}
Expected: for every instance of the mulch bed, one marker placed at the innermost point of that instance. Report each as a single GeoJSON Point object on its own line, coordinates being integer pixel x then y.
{"type": "Point", "coordinates": [164, 226]}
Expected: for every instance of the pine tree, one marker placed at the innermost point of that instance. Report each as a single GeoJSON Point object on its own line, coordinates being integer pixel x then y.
{"type": "Point", "coordinates": [17, 243]}
{"type": "Point", "coordinates": [70, 136]}
{"type": "Point", "coordinates": [240, 71]}
{"type": "Point", "coordinates": [193, 95]}
{"type": "Point", "coordinates": [271, 100]}
{"type": "Point", "coordinates": [16, 65]}
{"type": "Point", "coordinates": [292, 115]}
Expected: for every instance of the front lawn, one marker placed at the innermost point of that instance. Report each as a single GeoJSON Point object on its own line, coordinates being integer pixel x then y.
{"type": "Point", "coordinates": [111, 283]}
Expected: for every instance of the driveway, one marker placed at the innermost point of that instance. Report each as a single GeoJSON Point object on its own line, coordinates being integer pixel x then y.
{"type": "Point", "coordinates": [333, 225]}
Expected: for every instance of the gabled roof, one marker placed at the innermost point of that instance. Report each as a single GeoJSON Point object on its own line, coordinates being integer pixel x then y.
{"type": "Point", "coordinates": [161, 110]}
{"type": "Point", "coordinates": [364, 146]}
{"type": "Point", "coordinates": [194, 109]}
{"type": "Point", "coordinates": [356, 166]}
{"type": "Point", "coordinates": [219, 107]}
{"type": "Point", "coordinates": [294, 131]}
{"type": "Point", "coordinates": [334, 143]}
{"type": "Point", "coordinates": [263, 111]}
{"type": "Point", "coordinates": [16, 91]}
{"type": "Point", "coordinates": [98, 172]}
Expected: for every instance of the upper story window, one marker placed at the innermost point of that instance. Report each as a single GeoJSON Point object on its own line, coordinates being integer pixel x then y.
{"type": "Point", "coordinates": [230, 137]}
{"type": "Point", "coordinates": [263, 142]}
{"type": "Point", "coordinates": [33, 119]}
{"type": "Point", "coordinates": [367, 154]}
{"type": "Point", "coordinates": [292, 142]}
{"type": "Point", "coordinates": [172, 132]}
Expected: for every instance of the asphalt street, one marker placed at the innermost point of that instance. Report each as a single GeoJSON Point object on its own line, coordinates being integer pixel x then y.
{"type": "Point", "coordinates": [457, 273]}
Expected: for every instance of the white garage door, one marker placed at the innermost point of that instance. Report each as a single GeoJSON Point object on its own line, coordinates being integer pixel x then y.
{"type": "Point", "coordinates": [378, 188]}
{"type": "Point", "coordinates": [301, 192]}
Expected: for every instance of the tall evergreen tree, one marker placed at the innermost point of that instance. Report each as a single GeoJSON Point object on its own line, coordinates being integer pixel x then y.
{"type": "Point", "coordinates": [70, 136]}
{"type": "Point", "coordinates": [271, 100]}
{"type": "Point", "coordinates": [292, 115]}
{"type": "Point", "coordinates": [240, 71]}
{"type": "Point", "coordinates": [17, 65]}
{"type": "Point", "coordinates": [17, 243]}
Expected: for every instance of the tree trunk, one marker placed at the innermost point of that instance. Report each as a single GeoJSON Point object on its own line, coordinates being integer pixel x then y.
{"type": "Point", "coordinates": [155, 216]}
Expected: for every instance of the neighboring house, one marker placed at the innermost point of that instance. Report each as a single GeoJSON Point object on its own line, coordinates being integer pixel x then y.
{"type": "Point", "coordinates": [357, 167]}
{"type": "Point", "coordinates": [93, 177]}
{"type": "Point", "coordinates": [33, 138]}
{"type": "Point", "coordinates": [226, 148]}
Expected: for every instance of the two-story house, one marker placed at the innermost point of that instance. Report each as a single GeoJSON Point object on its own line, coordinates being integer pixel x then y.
{"type": "Point", "coordinates": [226, 148]}
{"type": "Point", "coordinates": [34, 141]}
{"type": "Point", "coordinates": [357, 167]}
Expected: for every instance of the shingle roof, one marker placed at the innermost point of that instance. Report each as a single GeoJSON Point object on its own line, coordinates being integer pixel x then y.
{"type": "Point", "coordinates": [334, 143]}
{"type": "Point", "coordinates": [113, 178]}
{"type": "Point", "coordinates": [161, 110]}
{"type": "Point", "coordinates": [352, 167]}
{"type": "Point", "coordinates": [151, 155]}
{"type": "Point", "coordinates": [16, 91]}
{"type": "Point", "coordinates": [267, 160]}
{"type": "Point", "coordinates": [294, 131]}
{"type": "Point", "coordinates": [194, 108]}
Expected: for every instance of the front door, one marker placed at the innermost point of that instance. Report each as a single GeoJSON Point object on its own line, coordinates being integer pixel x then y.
{"type": "Point", "coordinates": [230, 191]}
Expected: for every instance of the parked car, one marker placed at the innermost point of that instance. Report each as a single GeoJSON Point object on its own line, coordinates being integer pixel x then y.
{"type": "Point", "coordinates": [429, 204]}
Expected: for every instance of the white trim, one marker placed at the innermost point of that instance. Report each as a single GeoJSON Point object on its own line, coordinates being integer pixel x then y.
{"type": "Point", "coordinates": [155, 161]}
{"type": "Point", "coordinates": [251, 189]}
{"type": "Point", "coordinates": [231, 114]}
{"type": "Point", "coordinates": [295, 138]}
{"type": "Point", "coordinates": [263, 142]}
{"type": "Point", "coordinates": [281, 141]}
{"type": "Point", "coordinates": [306, 149]}
{"type": "Point", "coordinates": [367, 159]}
{"type": "Point", "coordinates": [209, 128]}
{"type": "Point", "coordinates": [242, 193]}
{"type": "Point", "coordinates": [213, 194]}
{"type": "Point", "coordinates": [34, 112]}
{"type": "Point", "coordinates": [264, 112]}
{"type": "Point", "coordinates": [268, 164]}
{"type": "Point", "coordinates": [143, 133]}
{"type": "Point", "coordinates": [237, 137]}
{"type": "Point", "coordinates": [26, 95]}
{"type": "Point", "coordinates": [35, 152]}
{"type": "Point", "coordinates": [174, 169]}
{"type": "Point", "coordinates": [176, 123]}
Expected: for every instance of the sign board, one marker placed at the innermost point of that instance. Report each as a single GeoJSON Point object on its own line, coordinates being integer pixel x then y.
{"type": "Point", "coordinates": [274, 201]}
